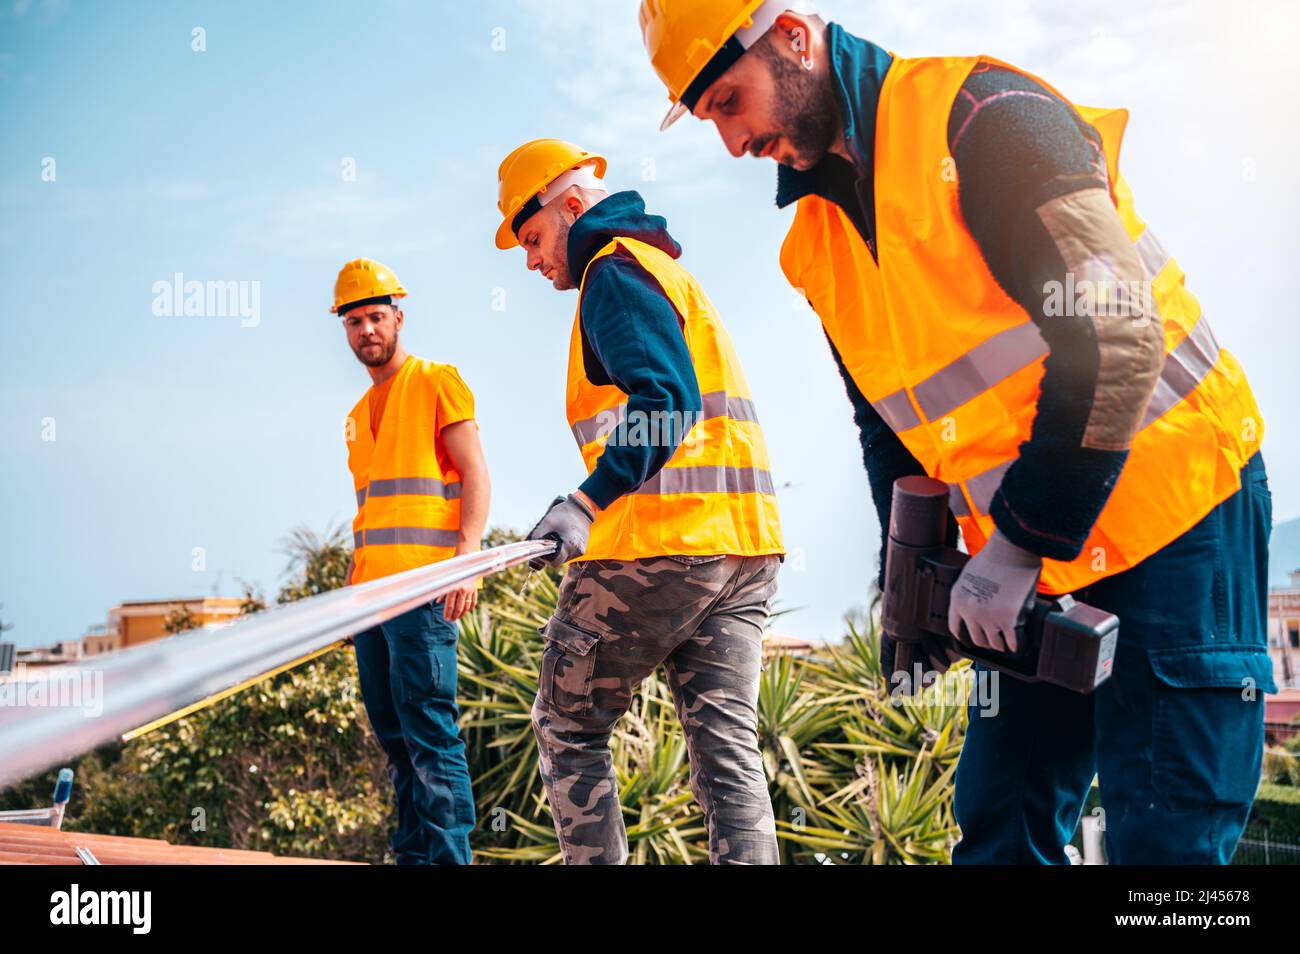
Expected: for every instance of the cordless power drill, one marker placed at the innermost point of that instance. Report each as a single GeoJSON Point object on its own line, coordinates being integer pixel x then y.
{"type": "Point", "coordinates": [1058, 640]}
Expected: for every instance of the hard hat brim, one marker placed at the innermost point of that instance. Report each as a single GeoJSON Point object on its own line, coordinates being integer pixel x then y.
{"type": "Point", "coordinates": [342, 308]}
{"type": "Point", "coordinates": [506, 238]}
{"type": "Point", "coordinates": [675, 112]}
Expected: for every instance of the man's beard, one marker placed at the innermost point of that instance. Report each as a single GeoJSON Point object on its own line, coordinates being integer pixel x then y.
{"type": "Point", "coordinates": [804, 111]}
{"type": "Point", "coordinates": [384, 355]}
{"type": "Point", "coordinates": [560, 255]}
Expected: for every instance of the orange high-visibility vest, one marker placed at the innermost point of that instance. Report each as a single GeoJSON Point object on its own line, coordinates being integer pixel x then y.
{"type": "Point", "coordinates": [715, 494]}
{"type": "Point", "coordinates": [408, 504]}
{"type": "Point", "coordinates": [954, 365]}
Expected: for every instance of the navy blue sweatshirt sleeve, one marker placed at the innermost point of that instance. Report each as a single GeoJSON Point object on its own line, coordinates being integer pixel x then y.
{"type": "Point", "coordinates": [885, 457]}
{"type": "Point", "coordinates": [632, 338]}
{"type": "Point", "coordinates": [1017, 146]}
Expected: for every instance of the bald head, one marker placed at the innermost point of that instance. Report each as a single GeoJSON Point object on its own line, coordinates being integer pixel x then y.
{"type": "Point", "coordinates": [544, 237]}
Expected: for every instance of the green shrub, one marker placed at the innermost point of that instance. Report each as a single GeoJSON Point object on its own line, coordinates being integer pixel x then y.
{"type": "Point", "coordinates": [1277, 811]}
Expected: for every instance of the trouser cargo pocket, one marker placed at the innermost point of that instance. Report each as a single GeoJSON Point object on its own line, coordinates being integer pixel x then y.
{"type": "Point", "coordinates": [1208, 724]}
{"type": "Point", "coordinates": [564, 682]}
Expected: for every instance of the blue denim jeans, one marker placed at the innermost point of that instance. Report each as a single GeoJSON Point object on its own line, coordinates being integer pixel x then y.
{"type": "Point", "coordinates": [407, 669]}
{"type": "Point", "coordinates": [1175, 737]}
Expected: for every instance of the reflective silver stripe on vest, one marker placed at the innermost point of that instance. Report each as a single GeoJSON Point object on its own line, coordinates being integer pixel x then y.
{"type": "Point", "coordinates": [709, 480]}
{"type": "Point", "coordinates": [979, 369]}
{"type": "Point", "coordinates": [897, 411]}
{"type": "Point", "coordinates": [405, 536]}
{"type": "Point", "coordinates": [597, 426]}
{"type": "Point", "coordinates": [983, 486]}
{"type": "Point", "coordinates": [719, 404]}
{"type": "Point", "coordinates": [1153, 254]}
{"type": "Point", "coordinates": [1185, 368]}
{"type": "Point", "coordinates": [715, 404]}
{"type": "Point", "coordinates": [990, 362]}
{"type": "Point", "coordinates": [957, 501]}
{"type": "Point", "coordinates": [412, 486]}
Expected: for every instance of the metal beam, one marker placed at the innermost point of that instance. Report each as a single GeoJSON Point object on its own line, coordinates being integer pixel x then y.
{"type": "Point", "coordinates": [92, 702]}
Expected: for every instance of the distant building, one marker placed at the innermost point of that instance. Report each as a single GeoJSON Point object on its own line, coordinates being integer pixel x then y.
{"type": "Point", "coordinates": [37, 657]}
{"type": "Point", "coordinates": [1282, 711]}
{"type": "Point", "coordinates": [8, 656]}
{"type": "Point", "coordinates": [1284, 632]}
{"type": "Point", "coordinates": [142, 621]}
{"type": "Point", "coordinates": [98, 640]}
{"type": "Point", "coordinates": [1282, 715]}
{"type": "Point", "coordinates": [775, 644]}
{"type": "Point", "coordinates": [129, 624]}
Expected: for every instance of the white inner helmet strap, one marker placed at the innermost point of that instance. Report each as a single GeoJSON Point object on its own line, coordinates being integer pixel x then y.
{"type": "Point", "coordinates": [584, 176]}
{"type": "Point", "coordinates": [763, 18]}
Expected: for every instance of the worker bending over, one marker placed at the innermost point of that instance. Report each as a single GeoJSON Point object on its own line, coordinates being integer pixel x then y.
{"type": "Point", "coordinates": [1004, 321]}
{"type": "Point", "coordinates": [673, 541]}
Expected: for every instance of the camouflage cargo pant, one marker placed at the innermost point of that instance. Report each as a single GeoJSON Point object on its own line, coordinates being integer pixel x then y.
{"type": "Point", "coordinates": [702, 618]}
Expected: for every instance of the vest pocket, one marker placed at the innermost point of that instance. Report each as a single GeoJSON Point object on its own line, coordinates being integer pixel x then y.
{"type": "Point", "coordinates": [568, 660]}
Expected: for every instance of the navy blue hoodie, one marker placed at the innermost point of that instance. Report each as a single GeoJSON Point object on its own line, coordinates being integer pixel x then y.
{"type": "Point", "coordinates": [631, 338]}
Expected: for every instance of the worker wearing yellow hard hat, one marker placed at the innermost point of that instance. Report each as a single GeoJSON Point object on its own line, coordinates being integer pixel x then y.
{"type": "Point", "coordinates": [1005, 321]}
{"type": "Point", "coordinates": [364, 281]}
{"type": "Point", "coordinates": [422, 494]}
{"type": "Point", "coordinates": [672, 541]}
{"type": "Point", "coordinates": [535, 173]}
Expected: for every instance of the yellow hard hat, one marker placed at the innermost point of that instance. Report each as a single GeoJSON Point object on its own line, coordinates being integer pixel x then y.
{"type": "Point", "coordinates": [693, 42]}
{"type": "Point", "coordinates": [361, 280]}
{"type": "Point", "coordinates": [526, 174]}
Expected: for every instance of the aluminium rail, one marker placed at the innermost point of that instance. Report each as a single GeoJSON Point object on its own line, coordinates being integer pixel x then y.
{"type": "Point", "coordinates": [122, 691]}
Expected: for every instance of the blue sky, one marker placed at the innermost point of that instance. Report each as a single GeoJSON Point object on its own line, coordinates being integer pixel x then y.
{"type": "Point", "coordinates": [176, 433]}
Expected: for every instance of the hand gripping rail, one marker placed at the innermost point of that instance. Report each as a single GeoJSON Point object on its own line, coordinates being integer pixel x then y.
{"type": "Point", "coordinates": [123, 691]}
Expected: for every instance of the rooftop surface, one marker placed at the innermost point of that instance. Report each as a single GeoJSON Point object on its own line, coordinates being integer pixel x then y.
{"type": "Point", "coordinates": [37, 845]}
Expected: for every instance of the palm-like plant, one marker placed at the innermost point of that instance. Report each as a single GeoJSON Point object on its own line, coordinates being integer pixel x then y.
{"type": "Point", "coordinates": [856, 775]}
{"type": "Point", "coordinates": [318, 563]}
{"type": "Point", "coordinates": [880, 773]}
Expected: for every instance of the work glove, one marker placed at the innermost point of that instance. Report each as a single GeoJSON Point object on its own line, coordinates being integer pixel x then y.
{"type": "Point", "coordinates": [568, 522]}
{"type": "Point", "coordinates": [989, 599]}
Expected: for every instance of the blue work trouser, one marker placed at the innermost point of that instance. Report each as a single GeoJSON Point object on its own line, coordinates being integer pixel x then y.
{"type": "Point", "coordinates": [1175, 737]}
{"type": "Point", "coordinates": [407, 668]}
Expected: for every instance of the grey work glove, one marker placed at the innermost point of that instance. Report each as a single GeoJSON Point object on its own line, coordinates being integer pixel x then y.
{"type": "Point", "coordinates": [991, 593]}
{"type": "Point", "coordinates": [568, 522]}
